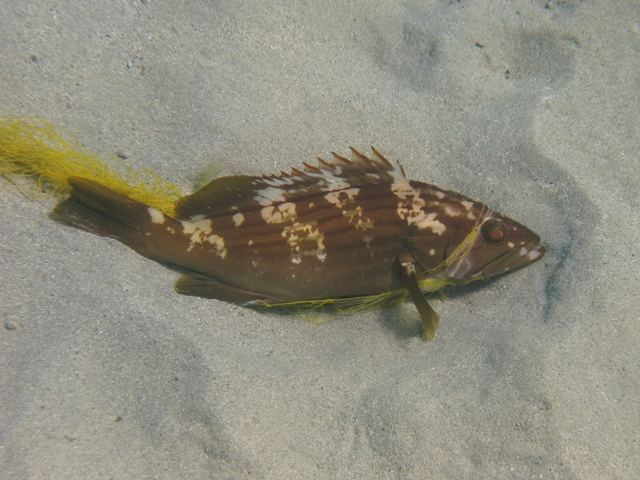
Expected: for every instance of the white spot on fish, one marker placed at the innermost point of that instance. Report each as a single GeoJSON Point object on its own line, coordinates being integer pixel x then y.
{"type": "Point", "coordinates": [329, 180]}
{"type": "Point", "coordinates": [523, 251]}
{"type": "Point", "coordinates": [432, 251]}
{"type": "Point", "coordinates": [250, 242]}
{"type": "Point", "coordinates": [429, 221]}
{"type": "Point", "coordinates": [338, 198]}
{"type": "Point", "coordinates": [363, 223]}
{"type": "Point", "coordinates": [238, 219]}
{"type": "Point", "coordinates": [367, 239]}
{"type": "Point", "coordinates": [200, 232]}
{"type": "Point", "coordinates": [533, 255]}
{"type": "Point", "coordinates": [218, 245]}
{"type": "Point", "coordinates": [284, 212]}
{"type": "Point", "coordinates": [156, 216]}
{"type": "Point", "coordinates": [360, 222]}
{"type": "Point", "coordinates": [511, 245]}
{"type": "Point", "coordinates": [412, 206]}
{"type": "Point", "coordinates": [305, 239]}
{"type": "Point", "coordinates": [439, 194]}
{"type": "Point", "coordinates": [451, 210]}
{"type": "Point", "coordinates": [270, 195]}
{"type": "Point", "coordinates": [467, 205]}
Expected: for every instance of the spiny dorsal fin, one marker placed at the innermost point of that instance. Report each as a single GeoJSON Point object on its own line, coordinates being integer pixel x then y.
{"type": "Point", "coordinates": [226, 195]}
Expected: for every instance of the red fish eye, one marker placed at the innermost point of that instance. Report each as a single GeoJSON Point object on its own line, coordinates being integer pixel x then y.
{"type": "Point", "coordinates": [494, 231]}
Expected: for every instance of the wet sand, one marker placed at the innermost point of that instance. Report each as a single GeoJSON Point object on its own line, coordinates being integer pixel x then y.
{"type": "Point", "coordinates": [531, 107]}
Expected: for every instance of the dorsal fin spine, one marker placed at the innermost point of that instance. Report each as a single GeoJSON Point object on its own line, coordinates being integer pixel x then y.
{"type": "Point", "coordinates": [358, 157]}
{"type": "Point", "coordinates": [324, 164]}
{"type": "Point", "coordinates": [339, 159]}
{"type": "Point", "coordinates": [381, 159]}
{"type": "Point", "coordinates": [309, 168]}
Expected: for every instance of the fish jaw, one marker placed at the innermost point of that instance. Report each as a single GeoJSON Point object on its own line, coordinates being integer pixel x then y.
{"type": "Point", "coordinates": [517, 257]}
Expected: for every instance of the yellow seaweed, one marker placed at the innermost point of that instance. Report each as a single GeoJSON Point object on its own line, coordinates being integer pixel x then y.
{"type": "Point", "coordinates": [336, 306]}
{"type": "Point", "coordinates": [32, 147]}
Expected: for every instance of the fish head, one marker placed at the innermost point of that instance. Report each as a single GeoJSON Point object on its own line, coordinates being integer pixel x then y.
{"type": "Point", "coordinates": [497, 245]}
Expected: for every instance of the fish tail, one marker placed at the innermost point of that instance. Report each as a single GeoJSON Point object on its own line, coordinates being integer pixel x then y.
{"type": "Point", "coordinates": [105, 212]}
{"type": "Point", "coordinates": [32, 147]}
{"type": "Point", "coordinates": [102, 211]}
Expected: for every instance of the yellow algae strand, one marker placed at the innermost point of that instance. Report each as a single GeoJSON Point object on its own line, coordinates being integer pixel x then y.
{"type": "Point", "coordinates": [32, 147]}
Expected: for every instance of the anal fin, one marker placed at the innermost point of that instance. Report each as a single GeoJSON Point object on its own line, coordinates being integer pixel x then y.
{"type": "Point", "coordinates": [197, 285]}
{"type": "Point", "coordinates": [430, 319]}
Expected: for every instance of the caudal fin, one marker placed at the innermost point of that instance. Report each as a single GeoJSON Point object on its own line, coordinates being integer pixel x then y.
{"type": "Point", "coordinates": [100, 210]}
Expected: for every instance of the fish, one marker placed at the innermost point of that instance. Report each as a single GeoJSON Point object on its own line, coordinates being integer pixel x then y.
{"type": "Point", "coordinates": [351, 234]}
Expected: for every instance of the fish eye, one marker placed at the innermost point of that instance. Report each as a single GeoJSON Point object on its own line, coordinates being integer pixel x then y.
{"type": "Point", "coordinates": [494, 231]}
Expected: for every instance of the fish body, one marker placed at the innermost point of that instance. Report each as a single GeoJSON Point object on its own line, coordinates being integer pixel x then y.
{"type": "Point", "coordinates": [350, 230]}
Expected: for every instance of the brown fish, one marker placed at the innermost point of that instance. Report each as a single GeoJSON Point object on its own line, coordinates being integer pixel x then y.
{"type": "Point", "coordinates": [352, 233]}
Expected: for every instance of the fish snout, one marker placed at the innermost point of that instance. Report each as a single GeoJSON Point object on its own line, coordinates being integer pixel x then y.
{"type": "Point", "coordinates": [519, 256]}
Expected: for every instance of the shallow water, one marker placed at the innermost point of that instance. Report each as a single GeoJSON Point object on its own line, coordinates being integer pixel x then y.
{"type": "Point", "coordinates": [531, 107]}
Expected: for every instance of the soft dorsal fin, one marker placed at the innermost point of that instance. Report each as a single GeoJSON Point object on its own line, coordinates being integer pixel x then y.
{"type": "Point", "coordinates": [226, 195]}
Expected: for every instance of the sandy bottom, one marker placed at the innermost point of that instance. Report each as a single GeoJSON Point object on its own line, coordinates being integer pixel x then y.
{"type": "Point", "coordinates": [532, 107]}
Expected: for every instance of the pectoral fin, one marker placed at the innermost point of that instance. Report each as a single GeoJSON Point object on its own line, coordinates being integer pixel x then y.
{"type": "Point", "coordinates": [430, 319]}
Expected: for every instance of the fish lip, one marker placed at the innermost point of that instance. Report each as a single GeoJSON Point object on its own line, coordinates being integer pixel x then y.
{"type": "Point", "coordinates": [515, 258]}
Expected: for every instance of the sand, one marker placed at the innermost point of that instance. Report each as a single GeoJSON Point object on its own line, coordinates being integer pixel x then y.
{"type": "Point", "coordinates": [530, 106]}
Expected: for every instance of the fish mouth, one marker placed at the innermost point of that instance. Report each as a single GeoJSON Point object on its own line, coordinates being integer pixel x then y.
{"type": "Point", "coordinates": [515, 258]}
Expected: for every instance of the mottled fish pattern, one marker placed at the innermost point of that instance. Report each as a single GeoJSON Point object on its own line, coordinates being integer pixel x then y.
{"type": "Point", "coordinates": [352, 232]}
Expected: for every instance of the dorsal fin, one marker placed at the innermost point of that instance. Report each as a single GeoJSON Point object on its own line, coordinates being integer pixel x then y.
{"type": "Point", "coordinates": [226, 195]}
